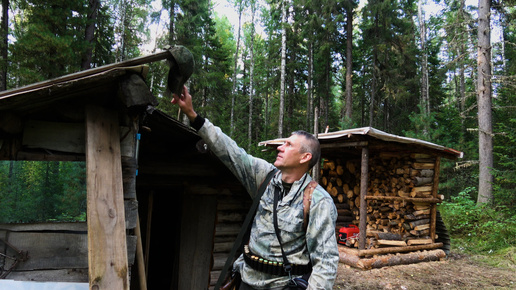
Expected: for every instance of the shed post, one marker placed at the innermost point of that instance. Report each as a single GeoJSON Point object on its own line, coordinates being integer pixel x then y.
{"type": "Point", "coordinates": [433, 207]}
{"type": "Point", "coordinates": [107, 245]}
{"type": "Point", "coordinates": [364, 180]}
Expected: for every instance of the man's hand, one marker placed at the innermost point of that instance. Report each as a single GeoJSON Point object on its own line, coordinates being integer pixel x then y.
{"type": "Point", "coordinates": [185, 103]}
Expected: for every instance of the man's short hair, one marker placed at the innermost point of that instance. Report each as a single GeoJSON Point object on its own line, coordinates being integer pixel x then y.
{"type": "Point", "coordinates": [312, 146]}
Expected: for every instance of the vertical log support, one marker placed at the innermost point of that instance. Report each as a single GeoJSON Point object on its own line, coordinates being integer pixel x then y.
{"type": "Point", "coordinates": [107, 245]}
{"type": "Point", "coordinates": [433, 208]}
{"type": "Point", "coordinates": [364, 181]}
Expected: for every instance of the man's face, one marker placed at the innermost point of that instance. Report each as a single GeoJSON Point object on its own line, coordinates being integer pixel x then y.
{"type": "Point", "coordinates": [289, 154]}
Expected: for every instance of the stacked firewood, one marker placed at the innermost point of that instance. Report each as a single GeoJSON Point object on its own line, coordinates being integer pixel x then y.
{"type": "Point", "coordinates": [399, 221]}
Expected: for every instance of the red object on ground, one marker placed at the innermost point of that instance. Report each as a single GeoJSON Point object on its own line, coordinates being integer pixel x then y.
{"type": "Point", "coordinates": [347, 232]}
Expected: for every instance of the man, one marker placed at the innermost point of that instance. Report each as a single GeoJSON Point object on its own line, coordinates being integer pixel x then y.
{"type": "Point", "coordinates": [314, 247]}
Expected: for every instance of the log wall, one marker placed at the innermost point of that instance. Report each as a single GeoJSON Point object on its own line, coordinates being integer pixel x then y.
{"type": "Point", "coordinates": [50, 251]}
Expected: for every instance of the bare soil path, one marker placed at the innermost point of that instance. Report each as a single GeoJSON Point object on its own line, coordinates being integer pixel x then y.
{"type": "Point", "coordinates": [455, 272]}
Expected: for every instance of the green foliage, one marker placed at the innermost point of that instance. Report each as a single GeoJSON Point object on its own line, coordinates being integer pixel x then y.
{"type": "Point", "coordinates": [48, 36]}
{"type": "Point", "coordinates": [483, 228]}
{"type": "Point", "coordinates": [33, 191]}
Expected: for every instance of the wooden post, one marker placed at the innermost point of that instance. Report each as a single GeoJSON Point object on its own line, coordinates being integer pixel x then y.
{"type": "Point", "coordinates": [364, 180]}
{"type": "Point", "coordinates": [433, 208]}
{"type": "Point", "coordinates": [107, 245]}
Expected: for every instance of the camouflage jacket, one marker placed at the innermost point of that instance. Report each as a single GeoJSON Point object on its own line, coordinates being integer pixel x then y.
{"type": "Point", "coordinates": [318, 244]}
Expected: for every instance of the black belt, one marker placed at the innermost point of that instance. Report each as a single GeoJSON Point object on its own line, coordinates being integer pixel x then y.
{"type": "Point", "coordinates": [272, 267]}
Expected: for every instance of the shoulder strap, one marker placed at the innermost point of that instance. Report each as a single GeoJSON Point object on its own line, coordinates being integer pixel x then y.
{"type": "Point", "coordinates": [245, 230]}
{"type": "Point", "coordinates": [307, 200]}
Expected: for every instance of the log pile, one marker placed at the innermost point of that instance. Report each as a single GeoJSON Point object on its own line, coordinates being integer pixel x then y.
{"type": "Point", "coordinates": [399, 197]}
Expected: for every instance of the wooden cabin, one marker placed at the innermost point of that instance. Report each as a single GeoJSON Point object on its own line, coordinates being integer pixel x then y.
{"type": "Point", "coordinates": [162, 211]}
{"type": "Point", "coordinates": [387, 186]}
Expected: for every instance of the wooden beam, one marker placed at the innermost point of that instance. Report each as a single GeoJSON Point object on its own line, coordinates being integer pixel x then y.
{"type": "Point", "coordinates": [344, 144]}
{"type": "Point", "coordinates": [433, 209]}
{"type": "Point", "coordinates": [403, 198]}
{"type": "Point", "coordinates": [363, 192]}
{"type": "Point", "coordinates": [107, 246]}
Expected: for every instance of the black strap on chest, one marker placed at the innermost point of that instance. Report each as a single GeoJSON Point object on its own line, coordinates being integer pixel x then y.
{"type": "Point", "coordinates": [287, 266]}
{"type": "Point", "coordinates": [243, 235]}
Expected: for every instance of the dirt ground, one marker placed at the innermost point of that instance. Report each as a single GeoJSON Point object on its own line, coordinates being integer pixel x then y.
{"type": "Point", "coordinates": [454, 272]}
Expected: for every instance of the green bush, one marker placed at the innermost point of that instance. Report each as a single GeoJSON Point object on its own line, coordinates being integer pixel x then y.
{"type": "Point", "coordinates": [478, 228]}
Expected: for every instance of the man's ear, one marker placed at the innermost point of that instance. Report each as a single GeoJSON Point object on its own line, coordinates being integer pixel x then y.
{"type": "Point", "coordinates": [306, 158]}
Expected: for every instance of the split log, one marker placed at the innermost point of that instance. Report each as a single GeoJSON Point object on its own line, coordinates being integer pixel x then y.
{"type": "Point", "coordinates": [423, 180]}
{"type": "Point", "coordinates": [427, 173]}
{"type": "Point", "coordinates": [387, 236]}
{"type": "Point", "coordinates": [418, 165]}
{"type": "Point", "coordinates": [344, 219]}
{"type": "Point", "coordinates": [419, 242]}
{"type": "Point", "coordinates": [422, 227]}
{"type": "Point", "coordinates": [420, 156]}
{"type": "Point", "coordinates": [418, 223]}
{"type": "Point", "coordinates": [422, 189]}
{"type": "Point", "coordinates": [344, 212]}
{"type": "Point", "coordinates": [391, 243]}
{"type": "Point", "coordinates": [421, 212]}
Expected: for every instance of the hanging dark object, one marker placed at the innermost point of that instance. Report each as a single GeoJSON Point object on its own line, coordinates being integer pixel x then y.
{"type": "Point", "coordinates": [181, 68]}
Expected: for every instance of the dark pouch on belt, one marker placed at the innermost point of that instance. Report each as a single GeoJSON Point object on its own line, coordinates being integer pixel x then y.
{"type": "Point", "coordinates": [300, 283]}
{"type": "Point", "coordinates": [232, 282]}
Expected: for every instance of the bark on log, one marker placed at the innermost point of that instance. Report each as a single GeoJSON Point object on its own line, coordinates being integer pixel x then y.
{"type": "Point", "coordinates": [370, 252]}
{"type": "Point", "coordinates": [392, 260]}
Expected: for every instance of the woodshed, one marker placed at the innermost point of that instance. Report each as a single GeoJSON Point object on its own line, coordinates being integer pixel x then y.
{"type": "Point", "coordinates": [385, 188]}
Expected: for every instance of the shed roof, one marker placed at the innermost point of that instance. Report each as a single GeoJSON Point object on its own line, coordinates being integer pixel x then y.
{"type": "Point", "coordinates": [26, 99]}
{"type": "Point", "coordinates": [344, 137]}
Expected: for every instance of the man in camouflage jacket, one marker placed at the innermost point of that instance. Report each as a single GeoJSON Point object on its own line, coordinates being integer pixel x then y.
{"type": "Point", "coordinates": [317, 244]}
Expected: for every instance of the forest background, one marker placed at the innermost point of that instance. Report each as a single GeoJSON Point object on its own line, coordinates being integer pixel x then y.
{"type": "Point", "coordinates": [283, 65]}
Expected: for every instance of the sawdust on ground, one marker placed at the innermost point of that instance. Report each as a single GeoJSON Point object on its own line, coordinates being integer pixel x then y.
{"type": "Point", "coordinates": [455, 272]}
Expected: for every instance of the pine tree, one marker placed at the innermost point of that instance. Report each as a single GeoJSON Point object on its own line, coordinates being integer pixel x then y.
{"type": "Point", "coordinates": [48, 36]}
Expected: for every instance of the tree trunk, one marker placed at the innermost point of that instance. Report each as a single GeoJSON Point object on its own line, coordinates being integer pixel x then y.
{"type": "Point", "coordinates": [251, 79]}
{"type": "Point", "coordinates": [4, 31]}
{"type": "Point", "coordinates": [425, 99]}
{"type": "Point", "coordinates": [283, 66]}
{"type": "Point", "coordinates": [310, 101]}
{"type": "Point", "coordinates": [171, 25]}
{"type": "Point", "coordinates": [349, 64]}
{"type": "Point", "coordinates": [485, 130]}
{"type": "Point", "coordinates": [89, 34]}
{"type": "Point", "coordinates": [235, 71]}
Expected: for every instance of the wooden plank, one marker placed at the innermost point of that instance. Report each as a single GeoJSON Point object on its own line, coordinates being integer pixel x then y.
{"type": "Point", "coordinates": [107, 246]}
{"type": "Point", "coordinates": [51, 250]}
{"type": "Point", "coordinates": [68, 137]}
{"type": "Point", "coordinates": [54, 250]}
{"type": "Point", "coordinates": [61, 275]}
{"type": "Point", "coordinates": [73, 227]}
{"type": "Point", "coordinates": [197, 231]}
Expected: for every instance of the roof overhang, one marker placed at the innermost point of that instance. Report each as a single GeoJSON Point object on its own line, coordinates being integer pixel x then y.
{"type": "Point", "coordinates": [369, 133]}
